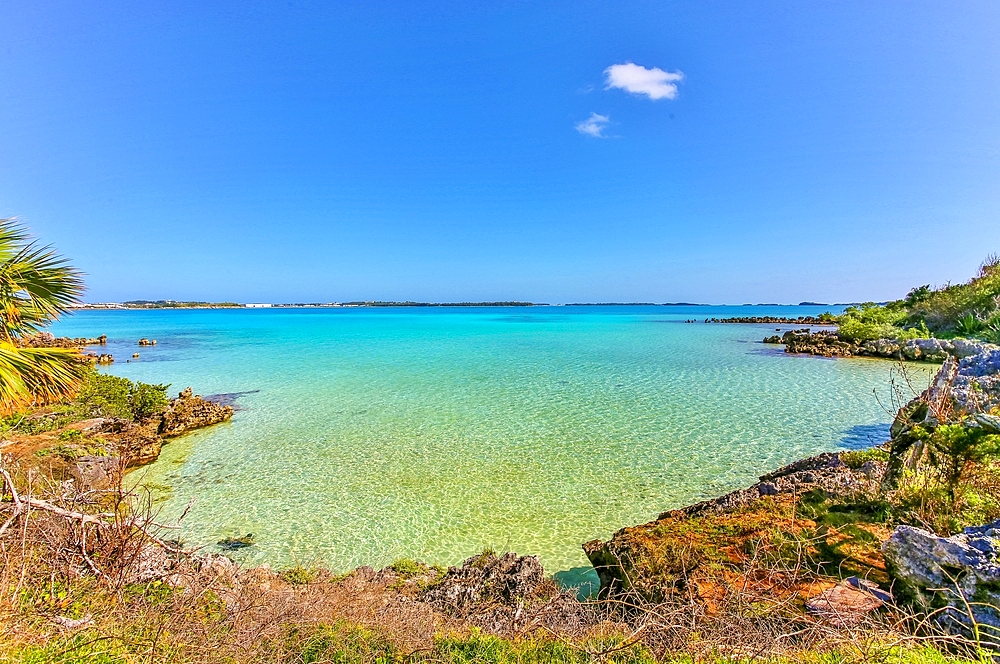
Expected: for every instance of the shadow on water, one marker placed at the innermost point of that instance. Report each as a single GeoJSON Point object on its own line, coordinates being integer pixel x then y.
{"type": "Point", "coordinates": [864, 435]}
{"type": "Point", "coordinates": [229, 398]}
{"type": "Point", "coordinates": [582, 579]}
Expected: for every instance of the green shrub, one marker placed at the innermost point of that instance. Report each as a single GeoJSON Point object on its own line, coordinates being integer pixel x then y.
{"type": "Point", "coordinates": [104, 395]}
{"type": "Point", "coordinates": [971, 310]}
{"type": "Point", "coordinates": [147, 400]}
{"type": "Point", "coordinates": [953, 448]}
{"type": "Point", "coordinates": [857, 458]}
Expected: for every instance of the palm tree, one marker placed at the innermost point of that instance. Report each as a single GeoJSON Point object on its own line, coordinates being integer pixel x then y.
{"type": "Point", "coordinates": [36, 286]}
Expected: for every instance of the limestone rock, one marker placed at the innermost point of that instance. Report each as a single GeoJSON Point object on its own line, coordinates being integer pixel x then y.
{"type": "Point", "coordinates": [488, 579]}
{"type": "Point", "coordinates": [935, 572]}
{"type": "Point", "coordinates": [505, 594]}
{"type": "Point", "coordinates": [189, 411]}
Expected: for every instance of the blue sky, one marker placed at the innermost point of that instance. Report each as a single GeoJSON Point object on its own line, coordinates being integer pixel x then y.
{"type": "Point", "coordinates": [296, 151]}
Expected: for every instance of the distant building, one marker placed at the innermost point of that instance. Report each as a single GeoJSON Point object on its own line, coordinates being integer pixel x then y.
{"type": "Point", "coordinates": [257, 305]}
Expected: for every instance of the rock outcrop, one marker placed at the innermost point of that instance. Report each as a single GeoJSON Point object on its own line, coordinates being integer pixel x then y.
{"type": "Point", "coordinates": [958, 574]}
{"type": "Point", "coordinates": [140, 443]}
{"type": "Point", "coordinates": [962, 391]}
{"type": "Point", "coordinates": [673, 553]}
{"type": "Point", "coordinates": [49, 340]}
{"type": "Point", "coordinates": [825, 472]}
{"type": "Point", "coordinates": [189, 411]}
{"type": "Point", "coordinates": [503, 593]}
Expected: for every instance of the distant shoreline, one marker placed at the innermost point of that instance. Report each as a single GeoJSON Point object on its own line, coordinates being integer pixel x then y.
{"type": "Point", "coordinates": [171, 304]}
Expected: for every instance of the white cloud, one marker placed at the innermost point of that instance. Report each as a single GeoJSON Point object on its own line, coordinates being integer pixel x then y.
{"type": "Point", "coordinates": [594, 125]}
{"type": "Point", "coordinates": [654, 83]}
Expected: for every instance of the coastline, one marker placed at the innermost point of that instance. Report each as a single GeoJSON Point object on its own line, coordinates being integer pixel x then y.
{"type": "Point", "coordinates": [701, 565]}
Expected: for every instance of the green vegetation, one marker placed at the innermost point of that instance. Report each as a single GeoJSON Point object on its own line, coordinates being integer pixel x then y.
{"type": "Point", "coordinates": [970, 310]}
{"type": "Point", "coordinates": [36, 287]}
{"type": "Point", "coordinates": [857, 458]}
{"type": "Point", "coordinates": [103, 395]}
{"type": "Point", "coordinates": [347, 643]}
{"type": "Point", "coordinates": [299, 575]}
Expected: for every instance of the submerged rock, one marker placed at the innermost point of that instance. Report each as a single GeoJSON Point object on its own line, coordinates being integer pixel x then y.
{"type": "Point", "coordinates": [234, 543]}
{"type": "Point", "coordinates": [959, 574]}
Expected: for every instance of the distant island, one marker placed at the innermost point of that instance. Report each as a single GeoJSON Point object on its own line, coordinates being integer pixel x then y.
{"type": "Point", "coordinates": [179, 304]}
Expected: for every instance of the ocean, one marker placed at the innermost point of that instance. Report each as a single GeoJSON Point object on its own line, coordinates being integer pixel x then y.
{"type": "Point", "coordinates": [365, 435]}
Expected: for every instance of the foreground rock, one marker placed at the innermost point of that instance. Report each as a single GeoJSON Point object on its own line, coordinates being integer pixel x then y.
{"type": "Point", "coordinates": [189, 411]}
{"type": "Point", "coordinates": [959, 574]}
{"type": "Point", "coordinates": [828, 343]}
{"type": "Point", "coordinates": [849, 602]}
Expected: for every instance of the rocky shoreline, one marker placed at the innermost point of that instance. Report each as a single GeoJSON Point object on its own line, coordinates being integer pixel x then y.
{"type": "Point", "coordinates": [828, 343]}
{"type": "Point", "coordinates": [774, 320]}
{"type": "Point", "coordinates": [829, 507]}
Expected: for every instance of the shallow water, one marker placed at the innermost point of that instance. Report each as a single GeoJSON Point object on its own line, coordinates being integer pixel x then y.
{"type": "Point", "coordinates": [368, 435]}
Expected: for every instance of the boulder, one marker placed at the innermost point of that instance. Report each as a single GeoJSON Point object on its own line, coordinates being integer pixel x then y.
{"type": "Point", "coordinates": [958, 574]}
{"type": "Point", "coordinates": [976, 386]}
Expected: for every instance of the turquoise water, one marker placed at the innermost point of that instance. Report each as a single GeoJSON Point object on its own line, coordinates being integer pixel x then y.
{"type": "Point", "coordinates": [368, 435]}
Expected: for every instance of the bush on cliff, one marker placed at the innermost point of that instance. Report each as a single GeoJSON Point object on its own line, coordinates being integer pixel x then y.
{"type": "Point", "coordinates": [970, 310]}
{"type": "Point", "coordinates": [103, 395]}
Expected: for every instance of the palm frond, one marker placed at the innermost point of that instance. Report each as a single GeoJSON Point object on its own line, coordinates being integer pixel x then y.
{"type": "Point", "coordinates": [36, 283]}
{"type": "Point", "coordinates": [38, 376]}
{"type": "Point", "coordinates": [13, 236]}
